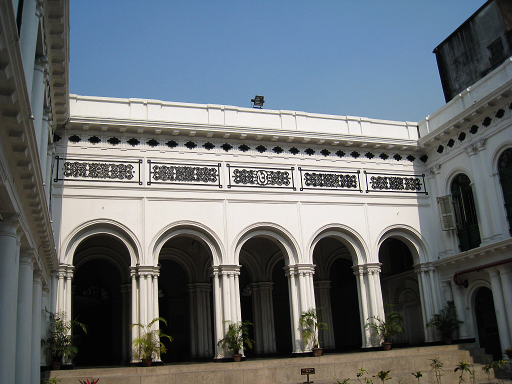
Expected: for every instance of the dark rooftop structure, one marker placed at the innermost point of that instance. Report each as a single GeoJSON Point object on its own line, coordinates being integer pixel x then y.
{"type": "Point", "coordinates": [478, 46]}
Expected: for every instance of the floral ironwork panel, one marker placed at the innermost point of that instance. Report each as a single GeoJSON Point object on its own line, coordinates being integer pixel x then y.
{"type": "Point", "coordinates": [100, 170]}
{"type": "Point", "coordinates": [261, 177]}
{"type": "Point", "coordinates": [192, 174]}
{"type": "Point", "coordinates": [380, 182]}
{"type": "Point", "coordinates": [314, 179]}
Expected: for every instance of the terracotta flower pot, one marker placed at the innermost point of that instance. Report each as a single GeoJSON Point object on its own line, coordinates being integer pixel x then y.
{"type": "Point", "coordinates": [147, 362]}
{"type": "Point", "coordinates": [56, 362]}
{"type": "Point", "coordinates": [237, 357]}
{"type": "Point", "coordinates": [386, 346]}
{"type": "Point", "coordinates": [317, 351]}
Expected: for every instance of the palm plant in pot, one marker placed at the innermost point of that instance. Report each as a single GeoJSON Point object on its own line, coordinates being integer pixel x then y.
{"type": "Point", "coordinates": [446, 322]}
{"type": "Point", "coordinates": [309, 327]}
{"type": "Point", "coordinates": [148, 344]}
{"type": "Point", "coordinates": [60, 341]}
{"type": "Point", "coordinates": [386, 329]}
{"type": "Point", "coordinates": [237, 335]}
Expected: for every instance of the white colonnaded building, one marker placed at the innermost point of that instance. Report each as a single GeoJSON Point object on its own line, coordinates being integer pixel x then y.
{"type": "Point", "coordinates": [117, 211]}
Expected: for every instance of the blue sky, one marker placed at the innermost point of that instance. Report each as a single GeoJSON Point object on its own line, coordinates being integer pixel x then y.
{"type": "Point", "coordinates": [364, 58]}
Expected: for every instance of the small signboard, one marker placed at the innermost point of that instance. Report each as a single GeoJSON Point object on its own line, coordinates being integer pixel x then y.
{"type": "Point", "coordinates": [307, 371]}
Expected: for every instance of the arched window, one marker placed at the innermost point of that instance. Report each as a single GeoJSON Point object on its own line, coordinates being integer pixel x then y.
{"type": "Point", "coordinates": [505, 171]}
{"type": "Point", "coordinates": [465, 212]}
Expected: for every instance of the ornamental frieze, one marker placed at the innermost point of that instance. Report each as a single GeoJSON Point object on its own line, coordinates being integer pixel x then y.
{"type": "Point", "coordinates": [98, 170]}
{"type": "Point", "coordinates": [382, 182]}
{"type": "Point", "coordinates": [313, 179]}
{"type": "Point", "coordinates": [172, 173]}
{"type": "Point", "coordinates": [261, 177]}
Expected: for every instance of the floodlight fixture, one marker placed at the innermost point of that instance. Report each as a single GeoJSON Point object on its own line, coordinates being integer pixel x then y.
{"type": "Point", "coordinates": [258, 101]}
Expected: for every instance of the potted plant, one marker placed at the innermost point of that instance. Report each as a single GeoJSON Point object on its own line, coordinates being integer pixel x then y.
{"type": "Point", "coordinates": [446, 322]}
{"type": "Point", "coordinates": [386, 329]}
{"type": "Point", "coordinates": [148, 344]}
{"type": "Point", "coordinates": [237, 335]}
{"type": "Point", "coordinates": [309, 327]}
{"type": "Point", "coordinates": [60, 341]}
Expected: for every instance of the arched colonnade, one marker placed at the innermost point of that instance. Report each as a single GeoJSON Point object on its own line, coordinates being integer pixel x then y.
{"type": "Point", "coordinates": [192, 277]}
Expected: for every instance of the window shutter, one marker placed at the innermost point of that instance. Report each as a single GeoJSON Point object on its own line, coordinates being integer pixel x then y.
{"type": "Point", "coordinates": [446, 212]}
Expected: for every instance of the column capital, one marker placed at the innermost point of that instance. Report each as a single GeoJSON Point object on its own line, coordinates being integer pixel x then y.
{"type": "Point", "coordinates": [359, 270]}
{"type": "Point", "coordinates": [214, 271]}
{"type": "Point", "coordinates": [493, 272]}
{"type": "Point", "coordinates": [300, 269]}
{"type": "Point", "coordinates": [373, 268]}
{"type": "Point", "coordinates": [434, 170]}
{"type": "Point", "coordinates": [230, 269]}
{"type": "Point", "coordinates": [9, 224]}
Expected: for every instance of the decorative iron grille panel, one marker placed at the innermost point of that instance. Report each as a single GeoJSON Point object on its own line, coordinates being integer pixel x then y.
{"type": "Point", "coordinates": [314, 179]}
{"type": "Point", "coordinates": [98, 170]}
{"type": "Point", "coordinates": [381, 182]}
{"type": "Point", "coordinates": [191, 174]}
{"type": "Point", "coordinates": [261, 177]}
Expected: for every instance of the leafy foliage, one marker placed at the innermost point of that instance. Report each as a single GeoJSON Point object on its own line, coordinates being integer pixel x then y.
{"type": "Point", "coordinates": [149, 341]}
{"type": "Point", "coordinates": [446, 321]}
{"type": "Point", "coordinates": [389, 328]}
{"type": "Point", "coordinates": [60, 341]}
{"type": "Point", "coordinates": [437, 366]}
{"type": "Point", "coordinates": [309, 327]}
{"type": "Point", "coordinates": [236, 336]}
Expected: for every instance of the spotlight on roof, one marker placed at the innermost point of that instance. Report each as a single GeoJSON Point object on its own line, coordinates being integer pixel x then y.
{"type": "Point", "coordinates": [258, 101]}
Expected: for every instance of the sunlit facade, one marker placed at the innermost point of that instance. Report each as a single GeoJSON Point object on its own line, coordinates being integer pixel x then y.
{"type": "Point", "coordinates": [117, 211]}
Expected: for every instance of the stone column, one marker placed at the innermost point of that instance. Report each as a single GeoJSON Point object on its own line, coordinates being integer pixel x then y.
{"type": "Point", "coordinates": [134, 309]}
{"type": "Point", "coordinates": [362, 293]}
{"type": "Point", "coordinates": [61, 274]}
{"type": "Point", "coordinates": [9, 271]}
{"type": "Point", "coordinates": [295, 306]}
{"type": "Point", "coordinates": [54, 290]}
{"type": "Point", "coordinates": [263, 313]}
{"type": "Point", "coordinates": [28, 38]}
{"type": "Point", "coordinates": [37, 298]}
{"type": "Point", "coordinates": [427, 307]}
{"type": "Point", "coordinates": [193, 319]}
{"type": "Point", "coordinates": [218, 311]}
{"type": "Point", "coordinates": [499, 307]}
{"type": "Point", "coordinates": [24, 314]}
{"type": "Point", "coordinates": [460, 308]}
{"type": "Point", "coordinates": [477, 183]}
{"type": "Point", "coordinates": [69, 289]}
{"type": "Point", "coordinates": [44, 320]}
{"type": "Point", "coordinates": [323, 302]}
{"type": "Point", "coordinates": [202, 294]}
{"type": "Point", "coordinates": [37, 101]}
{"type": "Point", "coordinates": [376, 303]}
{"type": "Point", "coordinates": [506, 284]}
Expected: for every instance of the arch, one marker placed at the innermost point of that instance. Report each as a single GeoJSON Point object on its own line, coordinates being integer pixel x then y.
{"type": "Point", "coordinates": [451, 175]}
{"type": "Point", "coordinates": [100, 227]}
{"type": "Point", "coordinates": [251, 264]}
{"type": "Point", "coordinates": [275, 233]}
{"type": "Point", "coordinates": [180, 258]}
{"type": "Point", "coordinates": [496, 155]}
{"type": "Point", "coordinates": [103, 253]}
{"type": "Point", "coordinates": [410, 237]}
{"type": "Point", "coordinates": [187, 228]}
{"type": "Point", "coordinates": [347, 236]}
